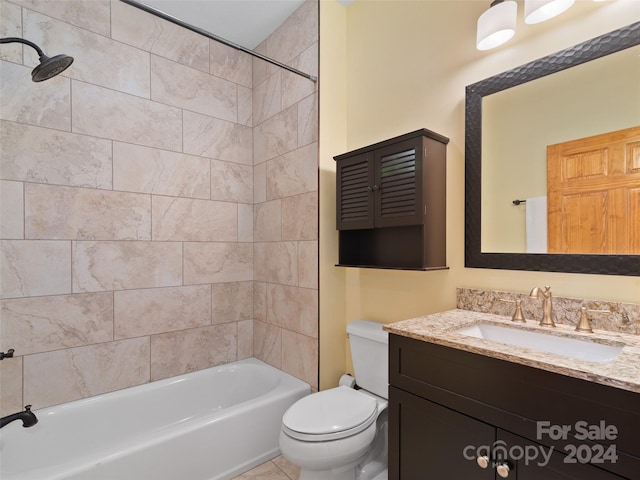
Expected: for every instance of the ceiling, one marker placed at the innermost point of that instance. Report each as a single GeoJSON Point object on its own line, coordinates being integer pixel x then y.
{"type": "Point", "coordinates": [244, 22]}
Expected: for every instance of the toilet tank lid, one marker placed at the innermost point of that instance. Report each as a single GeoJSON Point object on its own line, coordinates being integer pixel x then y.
{"type": "Point", "coordinates": [368, 329]}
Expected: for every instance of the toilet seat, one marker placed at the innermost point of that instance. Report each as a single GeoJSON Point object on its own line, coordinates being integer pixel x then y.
{"type": "Point", "coordinates": [330, 415]}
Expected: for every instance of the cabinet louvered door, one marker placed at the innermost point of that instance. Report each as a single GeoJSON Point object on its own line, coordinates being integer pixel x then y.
{"type": "Point", "coordinates": [398, 185]}
{"type": "Point", "coordinates": [354, 199]}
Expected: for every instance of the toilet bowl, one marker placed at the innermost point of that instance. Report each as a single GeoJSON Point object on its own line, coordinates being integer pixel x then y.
{"type": "Point", "coordinates": [341, 433]}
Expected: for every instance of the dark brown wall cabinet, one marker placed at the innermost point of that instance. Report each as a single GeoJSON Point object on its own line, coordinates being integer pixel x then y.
{"type": "Point", "coordinates": [455, 415]}
{"type": "Point", "coordinates": [391, 203]}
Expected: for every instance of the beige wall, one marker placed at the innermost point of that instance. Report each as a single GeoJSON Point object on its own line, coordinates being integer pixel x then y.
{"type": "Point", "coordinates": [127, 186]}
{"type": "Point", "coordinates": [408, 63]}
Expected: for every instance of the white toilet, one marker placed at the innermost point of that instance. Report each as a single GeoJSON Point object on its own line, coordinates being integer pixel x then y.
{"type": "Point", "coordinates": [341, 433]}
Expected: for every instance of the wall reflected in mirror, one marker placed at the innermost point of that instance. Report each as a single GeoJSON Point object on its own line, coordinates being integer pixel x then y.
{"type": "Point", "coordinates": [519, 123]}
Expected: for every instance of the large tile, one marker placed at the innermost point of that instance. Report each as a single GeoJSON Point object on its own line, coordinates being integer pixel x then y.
{"type": "Point", "coordinates": [245, 106]}
{"type": "Point", "coordinates": [300, 356]}
{"type": "Point", "coordinates": [293, 173]}
{"type": "Point", "coordinates": [151, 170]}
{"type": "Point", "coordinates": [308, 120]}
{"type": "Point", "coordinates": [41, 324]}
{"type": "Point", "coordinates": [296, 34]}
{"type": "Point", "coordinates": [47, 104]}
{"type": "Point", "coordinates": [97, 59]}
{"type": "Point", "coordinates": [135, 27]}
{"type": "Point", "coordinates": [232, 302]}
{"type": "Point", "coordinates": [296, 87]}
{"type": "Point", "coordinates": [308, 264]}
{"type": "Point", "coordinates": [300, 217]}
{"type": "Point", "coordinates": [267, 98]}
{"type": "Point", "coordinates": [99, 266]}
{"type": "Point", "coordinates": [261, 69]}
{"type": "Point", "coordinates": [245, 339]}
{"type": "Point", "coordinates": [293, 308]}
{"type": "Point", "coordinates": [87, 371]}
{"type": "Point", "coordinates": [230, 64]}
{"type": "Point", "coordinates": [215, 262]}
{"type": "Point", "coordinates": [159, 310]}
{"type": "Point", "coordinates": [93, 15]}
{"type": "Point", "coordinates": [33, 267]}
{"type": "Point", "coordinates": [190, 350]}
{"type": "Point", "coordinates": [276, 262]}
{"type": "Point", "coordinates": [231, 182]}
{"type": "Point", "coordinates": [268, 220]}
{"type": "Point", "coordinates": [260, 301]}
{"type": "Point", "coordinates": [41, 155]}
{"type": "Point", "coordinates": [108, 114]}
{"type": "Point", "coordinates": [267, 343]}
{"type": "Point", "coordinates": [260, 183]}
{"type": "Point", "coordinates": [184, 87]}
{"type": "Point", "coordinates": [11, 210]}
{"type": "Point", "coordinates": [10, 26]}
{"type": "Point", "coordinates": [11, 391]}
{"type": "Point", "coordinates": [218, 139]}
{"type": "Point", "coordinates": [276, 136]}
{"type": "Point", "coordinates": [245, 222]}
{"type": "Point", "coordinates": [186, 219]}
{"type": "Point", "coordinates": [53, 212]}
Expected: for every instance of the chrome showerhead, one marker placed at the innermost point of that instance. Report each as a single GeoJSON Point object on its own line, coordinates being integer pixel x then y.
{"type": "Point", "coordinates": [49, 67]}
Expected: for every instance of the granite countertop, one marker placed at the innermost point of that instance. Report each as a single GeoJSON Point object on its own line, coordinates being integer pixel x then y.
{"type": "Point", "coordinates": [623, 372]}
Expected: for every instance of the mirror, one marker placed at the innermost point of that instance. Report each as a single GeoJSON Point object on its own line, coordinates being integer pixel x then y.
{"type": "Point", "coordinates": [488, 155]}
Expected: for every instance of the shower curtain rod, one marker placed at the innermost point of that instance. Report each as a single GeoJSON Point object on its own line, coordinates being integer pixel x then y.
{"type": "Point", "coordinates": [193, 28]}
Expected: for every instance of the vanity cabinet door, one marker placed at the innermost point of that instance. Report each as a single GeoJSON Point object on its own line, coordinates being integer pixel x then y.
{"type": "Point", "coordinates": [545, 463]}
{"type": "Point", "coordinates": [429, 441]}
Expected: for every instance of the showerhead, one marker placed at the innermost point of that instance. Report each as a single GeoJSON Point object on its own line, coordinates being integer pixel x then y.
{"type": "Point", "coordinates": [49, 67]}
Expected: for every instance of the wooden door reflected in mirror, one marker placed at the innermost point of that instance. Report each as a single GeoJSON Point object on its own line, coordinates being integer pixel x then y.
{"type": "Point", "coordinates": [593, 190]}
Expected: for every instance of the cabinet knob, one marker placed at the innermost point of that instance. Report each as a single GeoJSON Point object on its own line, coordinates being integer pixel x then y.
{"type": "Point", "coordinates": [503, 470]}
{"type": "Point", "coordinates": [483, 461]}
{"type": "Point", "coordinates": [369, 188]}
{"type": "Point", "coordinates": [376, 188]}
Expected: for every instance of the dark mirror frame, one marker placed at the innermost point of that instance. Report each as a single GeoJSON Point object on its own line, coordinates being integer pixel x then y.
{"type": "Point", "coordinates": [612, 42]}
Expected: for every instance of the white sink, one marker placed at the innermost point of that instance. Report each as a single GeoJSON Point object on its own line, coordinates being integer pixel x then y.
{"type": "Point", "coordinates": [541, 342]}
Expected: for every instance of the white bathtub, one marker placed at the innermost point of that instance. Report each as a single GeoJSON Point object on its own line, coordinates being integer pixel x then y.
{"type": "Point", "coordinates": [206, 425]}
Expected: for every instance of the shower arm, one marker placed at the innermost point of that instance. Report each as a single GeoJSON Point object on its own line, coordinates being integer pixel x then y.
{"type": "Point", "coordinates": [26, 42]}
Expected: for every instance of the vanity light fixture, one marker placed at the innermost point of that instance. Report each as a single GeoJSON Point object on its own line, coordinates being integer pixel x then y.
{"type": "Point", "coordinates": [497, 25]}
{"type": "Point", "coordinates": [536, 11]}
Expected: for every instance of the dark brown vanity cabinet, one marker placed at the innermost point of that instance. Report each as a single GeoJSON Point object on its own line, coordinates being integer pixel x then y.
{"type": "Point", "coordinates": [390, 203]}
{"type": "Point", "coordinates": [449, 408]}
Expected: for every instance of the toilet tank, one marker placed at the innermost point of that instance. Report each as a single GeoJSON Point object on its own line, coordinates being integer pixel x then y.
{"type": "Point", "coordinates": [370, 356]}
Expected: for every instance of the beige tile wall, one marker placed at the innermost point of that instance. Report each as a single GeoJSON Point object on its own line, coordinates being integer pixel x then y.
{"type": "Point", "coordinates": [285, 142]}
{"type": "Point", "coordinates": [133, 187]}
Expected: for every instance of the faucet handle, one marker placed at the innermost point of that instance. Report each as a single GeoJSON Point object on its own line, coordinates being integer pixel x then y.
{"type": "Point", "coordinates": [584, 324]}
{"type": "Point", "coordinates": [517, 314]}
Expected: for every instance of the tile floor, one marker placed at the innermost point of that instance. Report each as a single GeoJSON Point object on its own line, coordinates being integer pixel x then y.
{"type": "Point", "coordinates": [277, 469]}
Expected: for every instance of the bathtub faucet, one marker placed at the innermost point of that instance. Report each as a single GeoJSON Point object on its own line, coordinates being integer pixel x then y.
{"type": "Point", "coordinates": [28, 418]}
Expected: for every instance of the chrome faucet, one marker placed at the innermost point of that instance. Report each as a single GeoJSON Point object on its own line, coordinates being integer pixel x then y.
{"type": "Point", "coordinates": [28, 418]}
{"type": "Point", "coordinates": [547, 305]}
